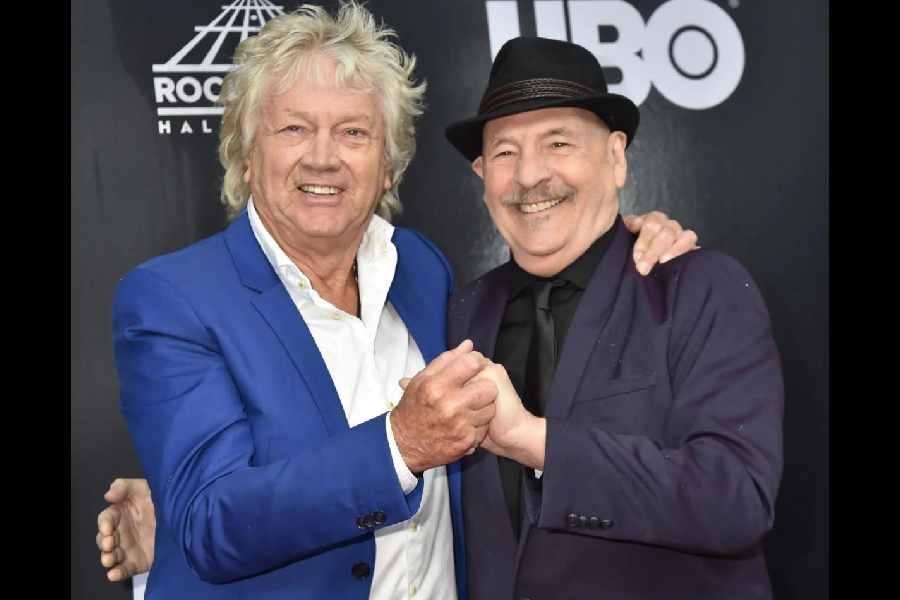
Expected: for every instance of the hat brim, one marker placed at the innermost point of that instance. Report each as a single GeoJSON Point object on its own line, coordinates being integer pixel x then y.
{"type": "Point", "coordinates": [618, 112]}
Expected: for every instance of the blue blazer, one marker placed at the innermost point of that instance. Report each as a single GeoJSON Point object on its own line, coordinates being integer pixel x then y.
{"type": "Point", "coordinates": [664, 445]}
{"type": "Point", "coordinates": [258, 481]}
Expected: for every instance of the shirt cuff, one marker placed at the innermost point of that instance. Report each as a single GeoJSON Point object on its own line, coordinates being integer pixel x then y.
{"type": "Point", "coordinates": [408, 481]}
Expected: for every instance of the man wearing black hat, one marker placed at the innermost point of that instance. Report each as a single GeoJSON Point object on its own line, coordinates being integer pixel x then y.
{"type": "Point", "coordinates": [652, 426]}
{"type": "Point", "coordinates": [636, 448]}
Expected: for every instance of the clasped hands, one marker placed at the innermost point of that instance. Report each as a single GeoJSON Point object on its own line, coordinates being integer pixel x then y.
{"type": "Point", "coordinates": [461, 401]}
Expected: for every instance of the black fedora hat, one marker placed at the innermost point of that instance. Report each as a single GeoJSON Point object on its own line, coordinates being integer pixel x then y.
{"type": "Point", "coordinates": [531, 73]}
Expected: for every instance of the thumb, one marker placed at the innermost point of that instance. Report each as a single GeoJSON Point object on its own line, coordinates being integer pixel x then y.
{"type": "Point", "coordinates": [116, 492]}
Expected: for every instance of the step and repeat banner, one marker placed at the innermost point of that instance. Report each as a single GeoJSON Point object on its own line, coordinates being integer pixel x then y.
{"type": "Point", "coordinates": [732, 143]}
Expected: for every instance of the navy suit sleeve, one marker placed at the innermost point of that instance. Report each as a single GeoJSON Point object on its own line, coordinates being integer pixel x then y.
{"type": "Point", "coordinates": [233, 519]}
{"type": "Point", "coordinates": [711, 487]}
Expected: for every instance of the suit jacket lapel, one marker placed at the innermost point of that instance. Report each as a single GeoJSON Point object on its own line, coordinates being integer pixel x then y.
{"type": "Point", "coordinates": [483, 468]}
{"type": "Point", "coordinates": [425, 320]}
{"type": "Point", "coordinates": [278, 310]}
{"type": "Point", "coordinates": [589, 320]}
{"type": "Point", "coordinates": [492, 296]}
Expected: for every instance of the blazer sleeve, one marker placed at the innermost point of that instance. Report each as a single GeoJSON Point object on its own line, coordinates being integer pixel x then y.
{"type": "Point", "coordinates": [712, 487]}
{"type": "Point", "coordinates": [230, 518]}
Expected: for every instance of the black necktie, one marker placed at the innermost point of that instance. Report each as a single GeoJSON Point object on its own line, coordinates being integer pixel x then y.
{"type": "Point", "coordinates": [543, 350]}
{"type": "Point", "coordinates": [539, 372]}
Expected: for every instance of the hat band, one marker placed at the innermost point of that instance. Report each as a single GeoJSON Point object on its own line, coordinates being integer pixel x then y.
{"type": "Point", "coordinates": [529, 89]}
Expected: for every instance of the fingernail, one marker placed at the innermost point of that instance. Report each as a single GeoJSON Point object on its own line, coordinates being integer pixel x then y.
{"type": "Point", "coordinates": [665, 258]}
{"type": "Point", "coordinates": [643, 267]}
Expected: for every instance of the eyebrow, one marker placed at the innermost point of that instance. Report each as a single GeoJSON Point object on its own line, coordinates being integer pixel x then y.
{"type": "Point", "coordinates": [309, 117]}
{"type": "Point", "coordinates": [558, 131]}
{"type": "Point", "coordinates": [495, 140]}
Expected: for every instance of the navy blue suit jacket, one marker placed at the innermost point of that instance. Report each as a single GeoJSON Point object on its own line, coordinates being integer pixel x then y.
{"type": "Point", "coordinates": [664, 443]}
{"type": "Point", "coordinates": [257, 479]}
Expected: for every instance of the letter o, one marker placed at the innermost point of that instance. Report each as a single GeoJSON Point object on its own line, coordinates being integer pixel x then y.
{"type": "Point", "coordinates": [694, 52]}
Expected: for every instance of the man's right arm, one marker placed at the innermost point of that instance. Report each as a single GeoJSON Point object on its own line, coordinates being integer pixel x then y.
{"type": "Point", "coordinates": [192, 434]}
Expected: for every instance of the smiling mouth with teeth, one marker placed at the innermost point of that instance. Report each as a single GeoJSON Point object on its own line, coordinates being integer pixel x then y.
{"type": "Point", "coordinates": [536, 207]}
{"type": "Point", "coordinates": [320, 190]}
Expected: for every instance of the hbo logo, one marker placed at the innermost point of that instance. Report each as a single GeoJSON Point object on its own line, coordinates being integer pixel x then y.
{"type": "Point", "coordinates": [691, 50]}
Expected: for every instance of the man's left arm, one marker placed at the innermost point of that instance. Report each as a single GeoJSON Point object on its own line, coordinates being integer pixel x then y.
{"type": "Point", "coordinates": [712, 489]}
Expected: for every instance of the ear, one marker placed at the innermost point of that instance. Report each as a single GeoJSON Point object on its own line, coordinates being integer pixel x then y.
{"type": "Point", "coordinates": [478, 166]}
{"type": "Point", "coordinates": [248, 169]}
{"type": "Point", "coordinates": [616, 148]}
{"type": "Point", "coordinates": [388, 181]}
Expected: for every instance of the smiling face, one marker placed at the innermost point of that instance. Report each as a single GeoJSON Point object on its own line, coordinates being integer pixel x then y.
{"type": "Point", "coordinates": [318, 166]}
{"type": "Point", "coordinates": [551, 180]}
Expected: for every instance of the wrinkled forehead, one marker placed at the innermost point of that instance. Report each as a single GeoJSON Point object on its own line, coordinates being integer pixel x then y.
{"type": "Point", "coordinates": [545, 121]}
{"type": "Point", "coordinates": [303, 83]}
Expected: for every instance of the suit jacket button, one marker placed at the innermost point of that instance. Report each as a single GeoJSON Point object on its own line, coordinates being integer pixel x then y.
{"type": "Point", "coordinates": [369, 520]}
{"type": "Point", "coordinates": [360, 570]}
{"type": "Point", "coordinates": [606, 523]}
{"type": "Point", "coordinates": [583, 521]}
{"type": "Point", "coordinates": [361, 522]}
{"type": "Point", "coordinates": [572, 520]}
{"type": "Point", "coordinates": [595, 522]}
{"type": "Point", "coordinates": [379, 517]}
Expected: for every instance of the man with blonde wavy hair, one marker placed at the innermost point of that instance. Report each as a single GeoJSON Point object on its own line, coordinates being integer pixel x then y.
{"type": "Point", "coordinates": [259, 368]}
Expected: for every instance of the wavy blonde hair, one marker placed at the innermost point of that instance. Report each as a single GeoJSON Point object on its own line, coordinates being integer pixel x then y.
{"type": "Point", "coordinates": [366, 59]}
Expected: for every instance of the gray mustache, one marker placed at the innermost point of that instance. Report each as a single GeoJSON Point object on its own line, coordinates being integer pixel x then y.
{"type": "Point", "coordinates": [539, 193]}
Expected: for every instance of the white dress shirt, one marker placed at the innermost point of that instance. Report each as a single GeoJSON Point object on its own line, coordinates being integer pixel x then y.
{"type": "Point", "coordinates": [366, 359]}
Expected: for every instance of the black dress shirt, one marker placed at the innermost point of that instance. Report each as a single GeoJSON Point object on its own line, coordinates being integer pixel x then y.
{"type": "Point", "coordinates": [514, 339]}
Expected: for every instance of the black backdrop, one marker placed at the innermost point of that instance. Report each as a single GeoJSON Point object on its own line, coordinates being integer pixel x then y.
{"type": "Point", "coordinates": [748, 174]}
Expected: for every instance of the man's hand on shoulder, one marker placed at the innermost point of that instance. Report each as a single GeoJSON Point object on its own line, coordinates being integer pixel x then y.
{"type": "Point", "coordinates": [660, 239]}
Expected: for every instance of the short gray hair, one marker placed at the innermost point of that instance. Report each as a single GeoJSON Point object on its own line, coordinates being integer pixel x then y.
{"type": "Point", "coordinates": [366, 59]}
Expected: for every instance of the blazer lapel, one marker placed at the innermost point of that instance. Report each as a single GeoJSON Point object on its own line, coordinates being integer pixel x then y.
{"type": "Point", "coordinates": [590, 317]}
{"type": "Point", "coordinates": [425, 319]}
{"type": "Point", "coordinates": [278, 310]}
{"type": "Point", "coordinates": [482, 469]}
{"type": "Point", "coordinates": [492, 296]}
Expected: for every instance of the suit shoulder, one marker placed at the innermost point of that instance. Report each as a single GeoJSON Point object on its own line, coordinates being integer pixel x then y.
{"type": "Point", "coordinates": [706, 267]}
{"type": "Point", "coordinates": [193, 267]}
{"type": "Point", "coordinates": [186, 262]}
{"type": "Point", "coordinates": [707, 279]}
{"type": "Point", "coordinates": [423, 253]}
{"type": "Point", "coordinates": [476, 284]}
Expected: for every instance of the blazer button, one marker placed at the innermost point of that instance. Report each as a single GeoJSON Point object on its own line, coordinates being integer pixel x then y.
{"type": "Point", "coordinates": [369, 521]}
{"type": "Point", "coordinates": [361, 522]}
{"type": "Point", "coordinates": [360, 570]}
{"type": "Point", "coordinates": [606, 523]}
{"type": "Point", "coordinates": [379, 517]}
{"type": "Point", "coordinates": [572, 520]}
{"type": "Point", "coordinates": [583, 521]}
{"type": "Point", "coordinates": [595, 522]}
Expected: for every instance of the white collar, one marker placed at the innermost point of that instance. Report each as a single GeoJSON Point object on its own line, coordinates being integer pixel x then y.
{"type": "Point", "coordinates": [376, 259]}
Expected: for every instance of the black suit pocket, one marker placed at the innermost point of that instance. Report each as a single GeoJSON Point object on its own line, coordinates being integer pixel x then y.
{"type": "Point", "coordinates": [625, 405]}
{"type": "Point", "coordinates": [599, 389]}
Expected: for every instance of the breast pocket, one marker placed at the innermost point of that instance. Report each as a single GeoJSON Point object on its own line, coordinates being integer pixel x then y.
{"type": "Point", "coordinates": [597, 389]}
{"type": "Point", "coordinates": [625, 405]}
